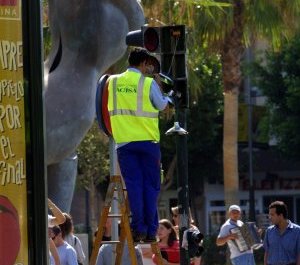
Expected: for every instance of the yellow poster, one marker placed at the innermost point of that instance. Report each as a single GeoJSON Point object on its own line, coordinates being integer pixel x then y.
{"type": "Point", "coordinates": [13, 194]}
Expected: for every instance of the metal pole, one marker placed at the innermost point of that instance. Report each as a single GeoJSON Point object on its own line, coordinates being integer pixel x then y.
{"type": "Point", "coordinates": [182, 184]}
{"type": "Point", "coordinates": [182, 176]}
{"type": "Point", "coordinates": [250, 148]}
{"type": "Point", "coordinates": [33, 87]}
{"type": "Point", "coordinates": [114, 170]}
{"type": "Point", "coordinates": [177, 69]}
{"type": "Point", "coordinates": [250, 144]}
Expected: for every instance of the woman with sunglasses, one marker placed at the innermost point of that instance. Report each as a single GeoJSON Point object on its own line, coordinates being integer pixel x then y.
{"type": "Point", "coordinates": [175, 222]}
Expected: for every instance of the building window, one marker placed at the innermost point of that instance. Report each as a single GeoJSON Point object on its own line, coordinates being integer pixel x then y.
{"type": "Point", "coordinates": [216, 219]}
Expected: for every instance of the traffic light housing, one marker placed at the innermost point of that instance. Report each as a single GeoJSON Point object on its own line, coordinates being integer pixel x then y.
{"type": "Point", "coordinates": [168, 42]}
{"type": "Point", "coordinates": [173, 60]}
{"type": "Point", "coordinates": [147, 37]}
{"type": "Point", "coordinates": [151, 39]}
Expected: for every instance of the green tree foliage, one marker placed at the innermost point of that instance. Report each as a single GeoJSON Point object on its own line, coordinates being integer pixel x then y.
{"type": "Point", "coordinates": [213, 254]}
{"type": "Point", "coordinates": [227, 26]}
{"type": "Point", "coordinates": [279, 79]}
{"type": "Point", "coordinates": [46, 29]}
{"type": "Point", "coordinates": [93, 158]}
{"type": "Point", "coordinates": [204, 123]}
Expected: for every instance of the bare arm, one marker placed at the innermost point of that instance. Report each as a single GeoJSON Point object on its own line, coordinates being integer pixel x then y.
{"type": "Point", "coordinates": [165, 262]}
{"type": "Point", "coordinates": [266, 258]}
{"type": "Point", "coordinates": [54, 252]}
{"type": "Point", "coordinates": [223, 240]}
{"type": "Point", "coordinates": [197, 260]}
{"type": "Point", "coordinates": [298, 260]}
{"type": "Point", "coordinates": [107, 228]}
{"type": "Point", "coordinates": [57, 213]}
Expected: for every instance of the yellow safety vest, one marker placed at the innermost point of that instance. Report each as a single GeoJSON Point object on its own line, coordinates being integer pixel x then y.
{"type": "Point", "coordinates": [132, 115]}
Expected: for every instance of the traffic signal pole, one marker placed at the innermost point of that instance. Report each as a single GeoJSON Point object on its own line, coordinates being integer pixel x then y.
{"type": "Point", "coordinates": [182, 176]}
{"type": "Point", "coordinates": [182, 183]}
{"type": "Point", "coordinates": [173, 64]}
{"type": "Point", "coordinates": [35, 133]}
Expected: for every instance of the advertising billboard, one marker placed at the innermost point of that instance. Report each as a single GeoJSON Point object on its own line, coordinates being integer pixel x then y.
{"type": "Point", "coordinates": [13, 191]}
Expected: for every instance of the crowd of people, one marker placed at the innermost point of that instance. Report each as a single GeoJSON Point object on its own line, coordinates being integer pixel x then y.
{"type": "Point", "coordinates": [281, 241]}
{"type": "Point", "coordinates": [167, 237]}
{"type": "Point", "coordinates": [64, 247]}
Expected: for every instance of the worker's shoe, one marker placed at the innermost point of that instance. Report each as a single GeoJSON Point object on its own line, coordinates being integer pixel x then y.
{"type": "Point", "coordinates": [150, 239]}
{"type": "Point", "coordinates": [138, 236]}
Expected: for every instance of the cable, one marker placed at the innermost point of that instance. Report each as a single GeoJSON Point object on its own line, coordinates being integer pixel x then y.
{"type": "Point", "coordinates": [173, 56]}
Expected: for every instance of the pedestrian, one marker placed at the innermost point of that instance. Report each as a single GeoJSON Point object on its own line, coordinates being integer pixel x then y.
{"type": "Point", "coordinates": [168, 243]}
{"type": "Point", "coordinates": [53, 253]}
{"type": "Point", "coordinates": [282, 238]}
{"type": "Point", "coordinates": [134, 102]}
{"type": "Point", "coordinates": [175, 219]}
{"type": "Point", "coordinates": [227, 237]}
{"type": "Point", "coordinates": [107, 230]}
{"type": "Point", "coordinates": [192, 227]}
{"type": "Point", "coordinates": [106, 252]}
{"type": "Point", "coordinates": [67, 253]}
{"type": "Point", "coordinates": [67, 229]}
{"type": "Point", "coordinates": [55, 218]}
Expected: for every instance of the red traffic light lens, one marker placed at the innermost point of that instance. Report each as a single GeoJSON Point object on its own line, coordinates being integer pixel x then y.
{"type": "Point", "coordinates": [151, 39]}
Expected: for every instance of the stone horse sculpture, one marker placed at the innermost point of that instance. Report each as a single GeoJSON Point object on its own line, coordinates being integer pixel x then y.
{"type": "Point", "coordinates": [87, 37]}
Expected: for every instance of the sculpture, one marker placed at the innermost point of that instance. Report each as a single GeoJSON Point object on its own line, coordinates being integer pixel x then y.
{"type": "Point", "coordinates": [87, 37]}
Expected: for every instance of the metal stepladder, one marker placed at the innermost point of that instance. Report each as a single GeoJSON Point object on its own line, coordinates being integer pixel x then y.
{"type": "Point", "coordinates": [116, 186]}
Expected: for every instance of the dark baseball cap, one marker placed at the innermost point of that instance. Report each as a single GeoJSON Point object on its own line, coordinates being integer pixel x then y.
{"type": "Point", "coordinates": [138, 55]}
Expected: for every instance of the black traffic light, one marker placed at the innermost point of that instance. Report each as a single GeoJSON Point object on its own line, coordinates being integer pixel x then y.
{"type": "Point", "coordinates": [173, 60]}
{"type": "Point", "coordinates": [166, 39]}
{"type": "Point", "coordinates": [147, 37]}
{"type": "Point", "coordinates": [151, 39]}
{"type": "Point", "coordinates": [168, 42]}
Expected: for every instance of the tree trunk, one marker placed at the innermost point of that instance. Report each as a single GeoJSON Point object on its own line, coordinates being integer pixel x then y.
{"type": "Point", "coordinates": [230, 154]}
{"type": "Point", "coordinates": [232, 52]}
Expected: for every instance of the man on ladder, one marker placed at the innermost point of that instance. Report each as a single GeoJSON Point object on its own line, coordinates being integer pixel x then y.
{"type": "Point", "coordinates": [134, 102]}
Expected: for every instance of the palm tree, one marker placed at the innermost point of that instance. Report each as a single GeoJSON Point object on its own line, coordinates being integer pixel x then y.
{"type": "Point", "coordinates": [226, 28]}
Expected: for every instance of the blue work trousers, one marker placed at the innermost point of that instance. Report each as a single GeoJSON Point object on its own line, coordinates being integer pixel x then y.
{"type": "Point", "coordinates": [140, 167]}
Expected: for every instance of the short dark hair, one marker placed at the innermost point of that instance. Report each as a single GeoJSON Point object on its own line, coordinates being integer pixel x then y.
{"type": "Point", "coordinates": [280, 208]}
{"type": "Point", "coordinates": [137, 56]}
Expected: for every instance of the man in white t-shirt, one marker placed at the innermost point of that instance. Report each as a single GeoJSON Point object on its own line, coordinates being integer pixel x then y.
{"type": "Point", "coordinates": [226, 236]}
{"type": "Point", "coordinates": [66, 252]}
